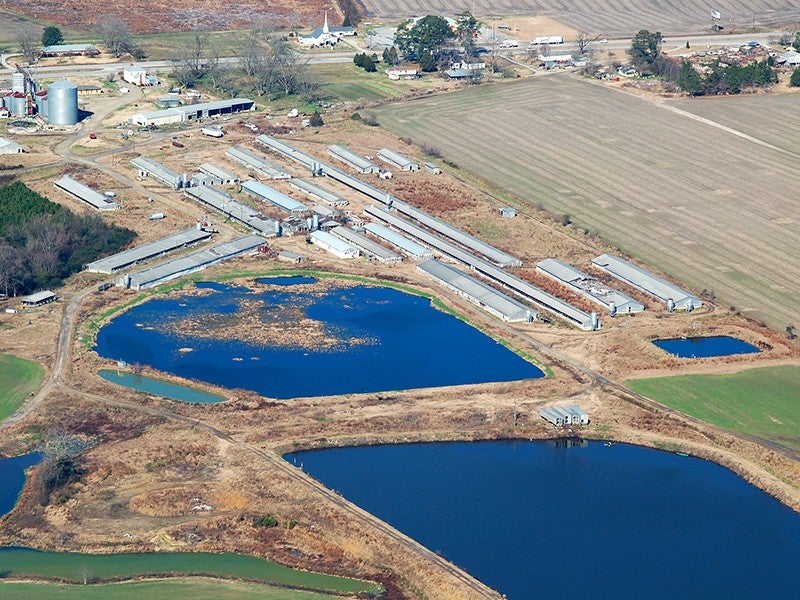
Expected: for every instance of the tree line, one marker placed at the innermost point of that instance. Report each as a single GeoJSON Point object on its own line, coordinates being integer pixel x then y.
{"type": "Point", "coordinates": [42, 243]}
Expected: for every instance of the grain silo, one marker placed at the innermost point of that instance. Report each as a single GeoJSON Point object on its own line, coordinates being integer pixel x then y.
{"type": "Point", "coordinates": [62, 103]}
{"type": "Point", "coordinates": [41, 103]}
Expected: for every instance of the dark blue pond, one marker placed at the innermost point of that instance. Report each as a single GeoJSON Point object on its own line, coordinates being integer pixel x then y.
{"type": "Point", "coordinates": [705, 347]}
{"type": "Point", "coordinates": [386, 340]}
{"type": "Point", "coordinates": [12, 478]}
{"type": "Point", "coordinates": [541, 520]}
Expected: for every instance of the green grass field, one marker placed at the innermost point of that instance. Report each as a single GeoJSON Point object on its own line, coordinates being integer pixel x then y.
{"type": "Point", "coordinates": [764, 402]}
{"type": "Point", "coordinates": [174, 589]}
{"type": "Point", "coordinates": [24, 564]}
{"type": "Point", "coordinates": [18, 378]}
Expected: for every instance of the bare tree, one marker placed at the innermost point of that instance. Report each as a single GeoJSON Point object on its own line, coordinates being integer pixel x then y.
{"type": "Point", "coordinates": [190, 61]}
{"type": "Point", "coordinates": [584, 42]}
{"type": "Point", "coordinates": [117, 38]}
{"type": "Point", "coordinates": [29, 46]}
{"type": "Point", "coordinates": [86, 573]}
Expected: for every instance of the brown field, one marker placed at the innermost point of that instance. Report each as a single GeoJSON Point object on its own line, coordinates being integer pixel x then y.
{"type": "Point", "coordinates": [711, 208]}
{"type": "Point", "coordinates": [150, 16]}
{"type": "Point", "coordinates": [609, 18]}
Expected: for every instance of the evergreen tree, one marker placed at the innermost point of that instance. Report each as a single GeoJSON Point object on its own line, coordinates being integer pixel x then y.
{"type": "Point", "coordinates": [51, 36]}
{"type": "Point", "coordinates": [689, 80]}
{"type": "Point", "coordinates": [794, 81]}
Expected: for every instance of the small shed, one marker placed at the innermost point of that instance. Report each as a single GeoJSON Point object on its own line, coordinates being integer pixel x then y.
{"type": "Point", "coordinates": [9, 147]}
{"type": "Point", "coordinates": [39, 298]}
{"type": "Point", "coordinates": [292, 257]}
{"type": "Point", "coordinates": [433, 168]}
{"type": "Point", "coordinates": [508, 212]}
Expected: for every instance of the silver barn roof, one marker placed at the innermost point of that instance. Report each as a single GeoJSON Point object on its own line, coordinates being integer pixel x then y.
{"type": "Point", "coordinates": [477, 292]}
{"type": "Point", "coordinates": [615, 302]}
{"type": "Point", "coordinates": [398, 160]}
{"type": "Point", "coordinates": [266, 193]}
{"type": "Point", "coordinates": [412, 249]}
{"type": "Point", "coordinates": [128, 258]}
{"type": "Point", "coordinates": [358, 162]}
{"type": "Point", "coordinates": [368, 246]}
{"type": "Point", "coordinates": [85, 193]}
{"type": "Point", "coordinates": [194, 262]}
{"type": "Point", "coordinates": [257, 163]}
{"type": "Point", "coordinates": [318, 193]}
{"type": "Point", "coordinates": [148, 166]}
{"type": "Point", "coordinates": [226, 177]}
{"type": "Point", "coordinates": [223, 202]}
{"type": "Point", "coordinates": [672, 295]}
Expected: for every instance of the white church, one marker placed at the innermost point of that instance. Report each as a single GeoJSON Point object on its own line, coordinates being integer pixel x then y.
{"type": "Point", "coordinates": [324, 36]}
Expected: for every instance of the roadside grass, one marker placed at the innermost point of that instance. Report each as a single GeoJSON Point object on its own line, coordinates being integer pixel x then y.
{"type": "Point", "coordinates": [174, 589]}
{"type": "Point", "coordinates": [763, 402]}
{"type": "Point", "coordinates": [347, 82]}
{"type": "Point", "coordinates": [74, 567]}
{"type": "Point", "coordinates": [165, 46]}
{"type": "Point", "coordinates": [18, 379]}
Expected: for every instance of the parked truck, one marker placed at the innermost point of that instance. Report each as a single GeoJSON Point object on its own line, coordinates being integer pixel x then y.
{"type": "Point", "coordinates": [547, 39]}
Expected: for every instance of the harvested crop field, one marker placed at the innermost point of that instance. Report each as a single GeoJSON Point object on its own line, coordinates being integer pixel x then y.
{"type": "Point", "coordinates": [150, 16]}
{"type": "Point", "coordinates": [609, 18]}
{"type": "Point", "coordinates": [710, 208]}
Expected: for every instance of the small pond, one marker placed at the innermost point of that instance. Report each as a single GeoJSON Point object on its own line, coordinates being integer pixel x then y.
{"type": "Point", "coordinates": [158, 387]}
{"type": "Point", "coordinates": [295, 338]}
{"type": "Point", "coordinates": [12, 478]}
{"type": "Point", "coordinates": [705, 347]}
{"type": "Point", "coordinates": [575, 519]}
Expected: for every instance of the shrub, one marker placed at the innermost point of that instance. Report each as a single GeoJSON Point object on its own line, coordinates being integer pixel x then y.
{"type": "Point", "coordinates": [794, 80]}
{"type": "Point", "coordinates": [316, 120]}
{"type": "Point", "coordinates": [265, 521]}
{"type": "Point", "coordinates": [431, 150]}
{"type": "Point", "coordinates": [370, 120]}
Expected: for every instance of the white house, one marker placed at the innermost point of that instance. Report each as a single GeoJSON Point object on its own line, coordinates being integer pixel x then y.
{"type": "Point", "coordinates": [136, 75]}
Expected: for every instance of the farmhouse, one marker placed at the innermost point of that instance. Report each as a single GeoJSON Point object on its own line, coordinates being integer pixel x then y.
{"type": "Point", "coordinates": [615, 302]}
{"type": "Point", "coordinates": [674, 297]}
{"type": "Point", "coordinates": [138, 76]}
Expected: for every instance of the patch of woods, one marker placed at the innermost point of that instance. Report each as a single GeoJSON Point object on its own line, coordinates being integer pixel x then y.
{"type": "Point", "coordinates": [715, 78]}
{"type": "Point", "coordinates": [62, 466]}
{"type": "Point", "coordinates": [42, 243]}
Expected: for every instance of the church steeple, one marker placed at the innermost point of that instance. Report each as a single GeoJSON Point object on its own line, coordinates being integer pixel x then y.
{"type": "Point", "coordinates": [325, 26]}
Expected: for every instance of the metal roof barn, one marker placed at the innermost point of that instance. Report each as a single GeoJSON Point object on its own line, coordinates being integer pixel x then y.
{"type": "Point", "coordinates": [128, 258]}
{"type": "Point", "coordinates": [85, 193]}
{"type": "Point", "coordinates": [334, 245]}
{"type": "Point", "coordinates": [148, 166]}
{"type": "Point", "coordinates": [358, 162]}
{"type": "Point", "coordinates": [286, 150]}
{"type": "Point", "coordinates": [223, 202]}
{"type": "Point", "coordinates": [672, 295]}
{"type": "Point", "coordinates": [182, 114]}
{"type": "Point", "coordinates": [368, 246]}
{"type": "Point", "coordinates": [266, 193]}
{"type": "Point", "coordinates": [226, 177]}
{"type": "Point", "coordinates": [256, 163]}
{"type": "Point", "coordinates": [412, 249]}
{"type": "Point", "coordinates": [318, 193]}
{"type": "Point", "coordinates": [65, 49]}
{"type": "Point", "coordinates": [477, 292]}
{"type": "Point", "coordinates": [615, 302]}
{"type": "Point", "coordinates": [523, 288]}
{"type": "Point", "coordinates": [195, 261]}
{"type": "Point", "coordinates": [39, 298]}
{"type": "Point", "coordinates": [398, 160]}
{"type": "Point", "coordinates": [9, 147]}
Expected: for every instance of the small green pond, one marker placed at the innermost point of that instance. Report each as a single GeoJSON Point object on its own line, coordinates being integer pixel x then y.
{"type": "Point", "coordinates": [158, 387]}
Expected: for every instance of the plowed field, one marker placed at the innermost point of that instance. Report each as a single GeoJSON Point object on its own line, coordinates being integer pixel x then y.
{"type": "Point", "coordinates": [607, 17]}
{"type": "Point", "coordinates": [708, 205]}
{"type": "Point", "coordinates": [151, 16]}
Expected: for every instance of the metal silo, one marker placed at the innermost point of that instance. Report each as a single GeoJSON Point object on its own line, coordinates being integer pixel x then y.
{"type": "Point", "coordinates": [19, 105]}
{"type": "Point", "coordinates": [18, 82]}
{"type": "Point", "coordinates": [41, 103]}
{"type": "Point", "coordinates": [62, 103]}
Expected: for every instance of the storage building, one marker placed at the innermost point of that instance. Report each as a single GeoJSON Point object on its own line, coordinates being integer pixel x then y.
{"type": "Point", "coordinates": [366, 245]}
{"type": "Point", "coordinates": [39, 298]}
{"type": "Point", "coordinates": [565, 415]}
{"type": "Point", "coordinates": [256, 163]}
{"type": "Point", "coordinates": [9, 147]}
{"type": "Point", "coordinates": [70, 50]}
{"type": "Point", "coordinates": [489, 299]}
{"type": "Point", "coordinates": [408, 247]}
{"type": "Point", "coordinates": [274, 197]}
{"type": "Point", "coordinates": [318, 193]}
{"type": "Point", "coordinates": [674, 297]}
{"type": "Point", "coordinates": [85, 193]}
{"type": "Point", "coordinates": [358, 162]}
{"type": "Point", "coordinates": [226, 177]}
{"type": "Point", "coordinates": [614, 302]}
{"type": "Point", "coordinates": [128, 258]}
{"type": "Point", "coordinates": [397, 160]}
{"type": "Point", "coordinates": [334, 245]}
{"type": "Point", "coordinates": [192, 112]}
{"type": "Point", "coordinates": [166, 176]}
{"type": "Point", "coordinates": [223, 202]}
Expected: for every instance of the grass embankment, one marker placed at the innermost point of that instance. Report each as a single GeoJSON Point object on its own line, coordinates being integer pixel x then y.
{"type": "Point", "coordinates": [762, 402]}
{"type": "Point", "coordinates": [18, 378]}
{"type": "Point", "coordinates": [75, 568]}
{"type": "Point", "coordinates": [174, 589]}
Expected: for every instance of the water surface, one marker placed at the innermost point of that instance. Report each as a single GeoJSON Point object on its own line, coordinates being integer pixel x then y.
{"type": "Point", "coordinates": [12, 479]}
{"type": "Point", "coordinates": [541, 520]}
{"type": "Point", "coordinates": [384, 340]}
{"type": "Point", "coordinates": [158, 387]}
{"type": "Point", "coordinates": [705, 347]}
